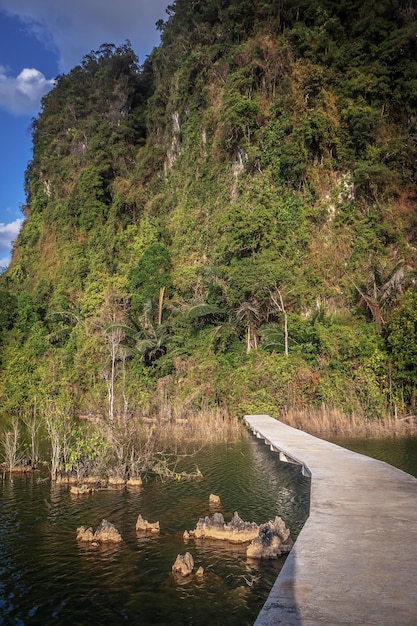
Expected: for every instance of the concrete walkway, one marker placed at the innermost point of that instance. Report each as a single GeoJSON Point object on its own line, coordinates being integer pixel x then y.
{"type": "Point", "coordinates": [355, 560]}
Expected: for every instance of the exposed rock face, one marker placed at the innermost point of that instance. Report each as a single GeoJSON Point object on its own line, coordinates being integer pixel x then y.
{"type": "Point", "coordinates": [272, 541]}
{"type": "Point", "coordinates": [144, 525]}
{"type": "Point", "coordinates": [105, 533]}
{"type": "Point", "coordinates": [183, 564]}
{"type": "Point", "coordinates": [237, 531]}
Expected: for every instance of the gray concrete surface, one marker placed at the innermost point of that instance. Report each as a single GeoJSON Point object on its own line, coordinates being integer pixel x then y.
{"type": "Point", "coordinates": [355, 560]}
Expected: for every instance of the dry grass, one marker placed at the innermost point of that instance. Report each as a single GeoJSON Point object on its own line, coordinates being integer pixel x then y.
{"type": "Point", "coordinates": [332, 422]}
{"type": "Point", "coordinates": [197, 427]}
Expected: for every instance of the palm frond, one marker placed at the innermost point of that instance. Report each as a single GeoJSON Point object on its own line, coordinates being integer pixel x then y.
{"type": "Point", "coordinates": [196, 310]}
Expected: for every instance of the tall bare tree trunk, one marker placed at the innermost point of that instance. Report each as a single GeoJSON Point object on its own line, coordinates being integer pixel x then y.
{"type": "Point", "coordinates": [278, 300]}
{"type": "Point", "coordinates": [161, 303]}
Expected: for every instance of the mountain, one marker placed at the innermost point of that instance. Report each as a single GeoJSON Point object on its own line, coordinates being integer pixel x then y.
{"type": "Point", "coordinates": [231, 224]}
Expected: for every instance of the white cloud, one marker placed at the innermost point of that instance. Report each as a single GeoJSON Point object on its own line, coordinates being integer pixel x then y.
{"type": "Point", "coordinates": [76, 27]}
{"type": "Point", "coordinates": [8, 233]}
{"type": "Point", "coordinates": [22, 94]}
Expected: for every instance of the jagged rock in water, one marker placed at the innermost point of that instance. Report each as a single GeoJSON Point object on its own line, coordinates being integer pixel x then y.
{"type": "Point", "coordinates": [272, 541]}
{"type": "Point", "coordinates": [199, 572]}
{"type": "Point", "coordinates": [105, 533]}
{"type": "Point", "coordinates": [236, 531]}
{"type": "Point", "coordinates": [183, 564]}
{"type": "Point", "coordinates": [214, 500]}
{"type": "Point", "coordinates": [85, 534]}
{"type": "Point", "coordinates": [144, 525]}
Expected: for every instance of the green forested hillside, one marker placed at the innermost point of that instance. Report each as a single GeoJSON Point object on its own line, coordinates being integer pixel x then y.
{"type": "Point", "coordinates": [231, 224]}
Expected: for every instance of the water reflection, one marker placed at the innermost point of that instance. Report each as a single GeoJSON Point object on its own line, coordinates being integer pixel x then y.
{"type": "Point", "coordinates": [47, 578]}
{"type": "Point", "coordinates": [400, 452]}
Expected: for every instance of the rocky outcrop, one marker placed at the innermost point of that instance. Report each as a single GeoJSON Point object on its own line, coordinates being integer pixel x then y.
{"type": "Point", "coordinates": [273, 540]}
{"type": "Point", "coordinates": [106, 533]}
{"type": "Point", "coordinates": [268, 541]}
{"type": "Point", "coordinates": [236, 531]}
{"type": "Point", "coordinates": [183, 565]}
{"type": "Point", "coordinates": [144, 525]}
{"type": "Point", "coordinates": [85, 534]}
{"type": "Point", "coordinates": [69, 478]}
{"type": "Point", "coordinates": [81, 490]}
{"type": "Point", "coordinates": [214, 500]}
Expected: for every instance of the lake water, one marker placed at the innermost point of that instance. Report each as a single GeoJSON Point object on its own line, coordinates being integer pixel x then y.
{"type": "Point", "coordinates": [399, 451]}
{"type": "Point", "coordinates": [46, 578]}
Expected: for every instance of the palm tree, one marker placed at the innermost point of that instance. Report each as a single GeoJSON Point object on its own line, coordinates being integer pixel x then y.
{"type": "Point", "coordinates": [249, 314]}
{"type": "Point", "coordinates": [199, 309]}
{"type": "Point", "coordinates": [382, 288]}
{"type": "Point", "coordinates": [148, 334]}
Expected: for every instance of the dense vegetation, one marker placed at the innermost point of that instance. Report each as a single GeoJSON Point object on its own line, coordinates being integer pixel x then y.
{"type": "Point", "coordinates": [231, 224]}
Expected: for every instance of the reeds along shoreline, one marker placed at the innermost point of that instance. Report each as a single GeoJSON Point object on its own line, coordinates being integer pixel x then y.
{"type": "Point", "coordinates": [217, 425]}
{"type": "Point", "coordinates": [201, 427]}
{"type": "Point", "coordinates": [333, 422]}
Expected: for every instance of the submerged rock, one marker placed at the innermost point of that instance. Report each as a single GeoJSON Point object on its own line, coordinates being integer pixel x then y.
{"type": "Point", "coordinates": [272, 540]}
{"type": "Point", "coordinates": [144, 525]}
{"type": "Point", "coordinates": [81, 490]}
{"type": "Point", "coordinates": [183, 564]}
{"type": "Point", "coordinates": [236, 531]}
{"type": "Point", "coordinates": [106, 533]}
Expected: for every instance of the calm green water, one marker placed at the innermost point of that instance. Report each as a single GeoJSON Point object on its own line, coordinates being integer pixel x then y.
{"type": "Point", "coordinates": [46, 578]}
{"type": "Point", "coordinates": [400, 452]}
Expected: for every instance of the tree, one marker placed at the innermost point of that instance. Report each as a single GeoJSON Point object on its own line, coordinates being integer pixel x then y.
{"type": "Point", "coordinates": [12, 447]}
{"type": "Point", "coordinates": [146, 334]}
{"type": "Point", "coordinates": [113, 314]}
{"type": "Point", "coordinates": [278, 301]}
{"type": "Point", "coordinates": [402, 340]}
{"type": "Point", "coordinates": [58, 427]}
{"type": "Point", "coordinates": [249, 314]}
{"type": "Point", "coordinates": [382, 288]}
{"type": "Point", "coordinates": [33, 422]}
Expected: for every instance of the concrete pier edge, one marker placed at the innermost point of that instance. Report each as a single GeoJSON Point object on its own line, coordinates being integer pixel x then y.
{"type": "Point", "coordinates": [355, 560]}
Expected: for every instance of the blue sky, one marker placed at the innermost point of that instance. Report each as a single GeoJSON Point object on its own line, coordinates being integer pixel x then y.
{"type": "Point", "coordinates": [40, 39]}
